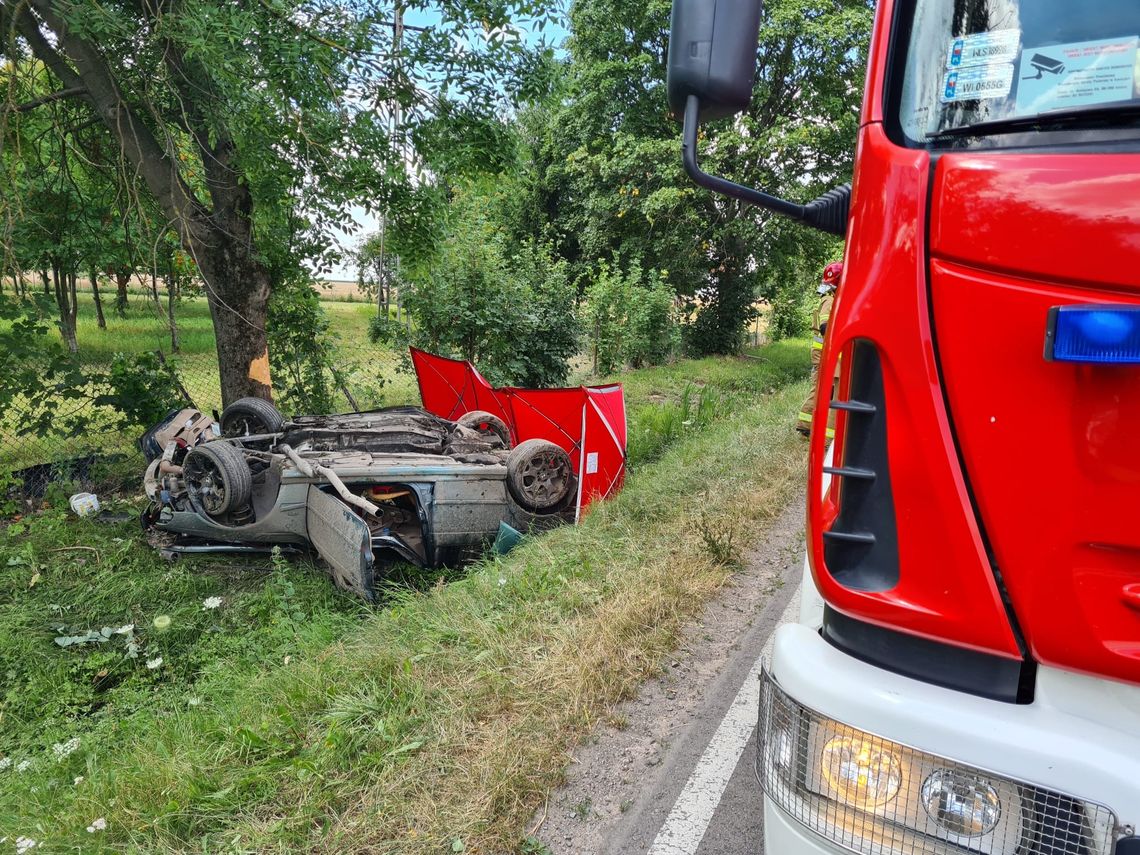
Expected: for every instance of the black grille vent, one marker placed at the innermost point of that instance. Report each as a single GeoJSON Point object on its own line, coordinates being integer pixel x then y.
{"type": "Point", "coordinates": [861, 549]}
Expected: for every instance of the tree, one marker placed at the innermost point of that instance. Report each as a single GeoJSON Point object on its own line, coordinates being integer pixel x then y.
{"type": "Point", "coordinates": [506, 305]}
{"type": "Point", "coordinates": [253, 126]}
{"type": "Point", "coordinates": [611, 160]}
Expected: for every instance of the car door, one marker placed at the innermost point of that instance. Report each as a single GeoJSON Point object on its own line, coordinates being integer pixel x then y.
{"type": "Point", "coordinates": [343, 541]}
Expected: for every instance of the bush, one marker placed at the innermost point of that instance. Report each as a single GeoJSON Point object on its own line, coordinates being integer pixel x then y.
{"type": "Point", "coordinates": [141, 388]}
{"type": "Point", "coordinates": [631, 318]}
{"type": "Point", "coordinates": [302, 351]}
{"type": "Point", "coordinates": [134, 391]}
{"type": "Point", "coordinates": [722, 311]}
{"type": "Point", "coordinates": [508, 307]}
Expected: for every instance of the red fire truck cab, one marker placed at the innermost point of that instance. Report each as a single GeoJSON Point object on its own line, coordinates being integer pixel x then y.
{"type": "Point", "coordinates": [965, 676]}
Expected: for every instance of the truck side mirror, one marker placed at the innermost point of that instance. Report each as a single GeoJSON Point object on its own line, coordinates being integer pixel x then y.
{"type": "Point", "coordinates": [712, 55]}
{"type": "Point", "coordinates": [712, 65]}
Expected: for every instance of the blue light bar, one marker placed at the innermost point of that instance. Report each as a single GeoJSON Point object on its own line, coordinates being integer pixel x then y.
{"type": "Point", "coordinates": [1100, 334]}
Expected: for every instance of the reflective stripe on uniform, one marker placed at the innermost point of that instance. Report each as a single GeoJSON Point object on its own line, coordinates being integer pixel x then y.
{"type": "Point", "coordinates": [805, 417]}
{"type": "Point", "coordinates": [817, 343]}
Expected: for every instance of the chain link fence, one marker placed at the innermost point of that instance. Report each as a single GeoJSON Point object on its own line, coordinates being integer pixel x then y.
{"type": "Point", "coordinates": [373, 375]}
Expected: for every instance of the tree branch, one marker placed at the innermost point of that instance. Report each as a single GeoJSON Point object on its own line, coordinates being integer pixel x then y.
{"type": "Point", "coordinates": [138, 143]}
{"type": "Point", "coordinates": [70, 92]}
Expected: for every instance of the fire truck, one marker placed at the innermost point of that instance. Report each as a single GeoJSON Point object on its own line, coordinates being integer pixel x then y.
{"type": "Point", "coordinates": [965, 674]}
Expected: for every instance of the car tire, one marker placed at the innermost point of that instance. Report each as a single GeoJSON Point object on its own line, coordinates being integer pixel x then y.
{"type": "Point", "coordinates": [250, 417]}
{"type": "Point", "coordinates": [539, 475]}
{"type": "Point", "coordinates": [217, 478]}
{"type": "Point", "coordinates": [486, 424]}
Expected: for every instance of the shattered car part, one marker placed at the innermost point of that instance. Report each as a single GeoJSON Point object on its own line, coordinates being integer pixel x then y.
{"type": "Point", "coordinates": [397, 483]}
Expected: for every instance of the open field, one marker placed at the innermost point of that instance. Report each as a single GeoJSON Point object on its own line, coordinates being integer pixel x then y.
{"type": "Point", "coordinates": [289, 716]}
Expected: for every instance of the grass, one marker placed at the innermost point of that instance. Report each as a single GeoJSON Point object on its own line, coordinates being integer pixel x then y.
{"type": "Point", "coordinates": [374, 374]}
{"type": "Point", "coordinates": [292, 717]}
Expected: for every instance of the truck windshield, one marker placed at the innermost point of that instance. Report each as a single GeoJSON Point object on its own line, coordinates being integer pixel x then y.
{"type": "Point", "coordinates": [970, 62]}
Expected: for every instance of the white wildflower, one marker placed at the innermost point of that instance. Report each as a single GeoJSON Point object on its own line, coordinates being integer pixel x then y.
{"type": "Point", "coordinates": [502, 581]}
{"type": "Point", "coordinates": [65, 749]}
{"type": "Point", "coordinates": [5, 762]}
{"type": "Point", "coordinates": [211, 602]}
{"type": "Point", "coordinates": [78, 780]}
{"type": "Point", "coordinates": [194, 701]}
{"type": "Point", "coordinates": [162, 622]}
{"type": "Point", "coordinates": [156, 662]}
{"type": "Point", "coordinates": [23, 765]}
{"type": "Point", "coordinates": [98, 825]}
{"type": "Point", "coordinates": [23, 844]}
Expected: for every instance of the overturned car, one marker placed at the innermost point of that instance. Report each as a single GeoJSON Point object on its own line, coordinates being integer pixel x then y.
{"type": "Point", "coordinates": [397, 483]}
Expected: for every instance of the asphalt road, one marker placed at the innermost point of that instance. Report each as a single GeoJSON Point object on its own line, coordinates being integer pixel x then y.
{"type": "Point", "coordinates": [677, 778]}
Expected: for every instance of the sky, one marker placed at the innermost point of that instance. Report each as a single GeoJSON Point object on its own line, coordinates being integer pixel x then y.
{"type": "Point", "coordinates": [366, 223]}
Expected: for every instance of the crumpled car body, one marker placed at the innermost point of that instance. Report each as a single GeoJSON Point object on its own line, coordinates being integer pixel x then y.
{"type": "Point", "coordinates": [359, 489]}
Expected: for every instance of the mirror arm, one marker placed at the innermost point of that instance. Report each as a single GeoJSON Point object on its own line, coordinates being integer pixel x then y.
{"type": "Point", "coordinates": [827, 213]}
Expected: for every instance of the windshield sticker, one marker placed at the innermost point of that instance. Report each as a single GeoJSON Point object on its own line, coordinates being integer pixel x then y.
{"type": "Point", "coordinates": [984, 81]}
{"type": "Point", "coordinates": [1057, 77]}
{"type": "Point", "coordinates": [983, 49]}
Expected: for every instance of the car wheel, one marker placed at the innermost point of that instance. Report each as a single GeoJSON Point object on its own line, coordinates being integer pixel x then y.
{"type": "Point", "coordinates": [217, 478]}
{"type": "Point", "coordinates": [250, 417]}
{"type": "Point", "coordinates": [539, 475]}
{"type": "Point", "coordinates": [487, 425]}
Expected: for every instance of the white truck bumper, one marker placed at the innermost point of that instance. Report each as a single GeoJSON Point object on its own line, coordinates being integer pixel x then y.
{"type": "Point", "coordinates": [1080, 737]}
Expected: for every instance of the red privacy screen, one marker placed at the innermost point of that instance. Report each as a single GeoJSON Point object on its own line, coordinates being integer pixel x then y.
{"type": "Point", "coordinates": [587, 421]}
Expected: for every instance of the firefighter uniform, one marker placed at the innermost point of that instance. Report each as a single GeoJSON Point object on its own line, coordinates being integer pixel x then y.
{"type": "Point", "coordinates": [819, 320]}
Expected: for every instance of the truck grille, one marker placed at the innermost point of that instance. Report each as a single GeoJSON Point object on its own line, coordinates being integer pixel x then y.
{"type": "Point", "coordinates": [870, 795]}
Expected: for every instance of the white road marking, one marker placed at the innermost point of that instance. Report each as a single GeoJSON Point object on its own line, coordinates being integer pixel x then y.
{"type": "Point", "coordinates": [685, 827]}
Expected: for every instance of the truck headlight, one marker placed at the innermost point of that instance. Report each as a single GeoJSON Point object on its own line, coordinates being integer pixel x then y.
{"type": "Point", "coordinates": [964, 805]}
{"type": "Point", "coordinates": [864, 773]}
{"type": "Point", "coordinates": [870, 795]}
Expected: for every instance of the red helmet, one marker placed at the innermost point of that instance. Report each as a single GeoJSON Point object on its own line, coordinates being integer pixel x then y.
{"type": "Point", "coordinates": [832, 272]}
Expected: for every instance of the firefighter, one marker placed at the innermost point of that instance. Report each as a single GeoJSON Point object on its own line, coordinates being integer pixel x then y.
{"type": "Point", "coordinates": [826, 293]}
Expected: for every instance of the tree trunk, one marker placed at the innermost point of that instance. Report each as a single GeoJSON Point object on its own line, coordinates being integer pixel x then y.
{"type": "Point", "coordinates": [64, 300]}
{"type": "Point", "coordinates": [154, 290]}
{"type": "Point", "coordinates": [218, 233]}
{"type": "Point", "coordinates": [99, 316]}
{"type": "Point", "coordinates": [72, 288]}
{"type": "Point", "coordinates": [171, 296]}
{"type": "Point", "coordinates": [121, 281]}
{"type": "Point", "coordinates": [47, 282]}
{"type": "Point", "coordinates": [237, 287]}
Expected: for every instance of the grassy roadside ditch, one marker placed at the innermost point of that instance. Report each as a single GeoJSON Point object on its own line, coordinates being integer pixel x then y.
{"type": "Point", "coordinates": [290, 717]}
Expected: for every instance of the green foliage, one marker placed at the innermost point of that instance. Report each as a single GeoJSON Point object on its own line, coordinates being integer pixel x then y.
{"type": "Point", "coordinates": [608, 166]}
{"type": "Point", "coordinates": [722, 309]}
{"type": "Point", "coordinates": [47, 392]}
{"type": "Point", "coordinates": [504, 305]}
{"type": "Point", "coordinates": [657, 427]}
{"type": "Point", "coordinates": [302, 351]}
{"type": "Point", "coordinates": [253, 132]}
{"type": "Point", "coordinates": [630, 317]}
{"type": "Point", "coordinates": [141, 389]}
{"type": "Point", "coordinates": [720, 543]}
{"type": "Point", "coordinates": [96, 631]}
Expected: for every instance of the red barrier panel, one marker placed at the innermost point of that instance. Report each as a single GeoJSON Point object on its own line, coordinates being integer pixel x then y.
{"type": "Point", "coordinates": [587, 421]}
